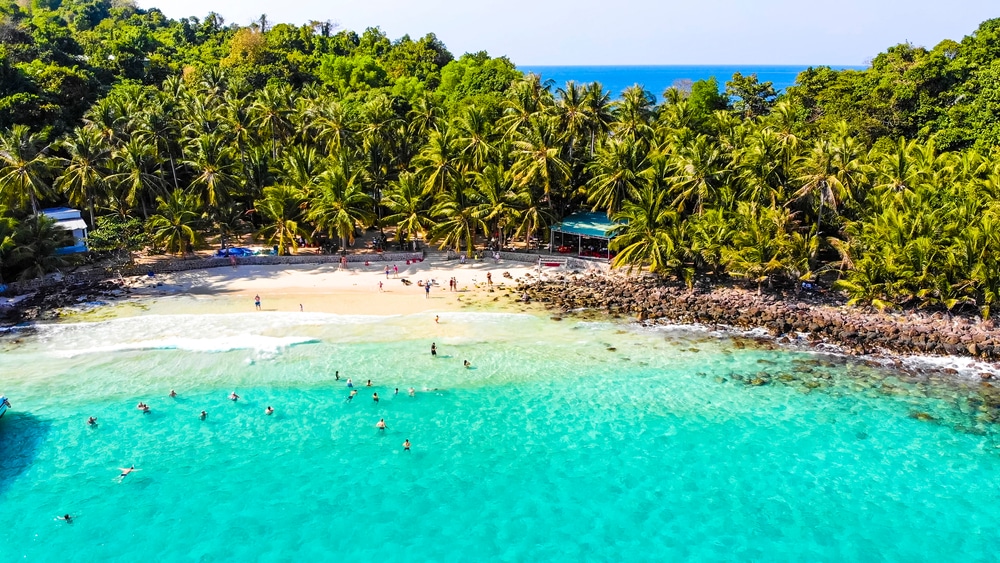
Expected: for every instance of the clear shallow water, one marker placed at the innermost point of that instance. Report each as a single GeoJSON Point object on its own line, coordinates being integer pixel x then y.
{"type": "Point", "coordinates": [656, 79]}
{"type": "Point", "coordinates": [553, 448]}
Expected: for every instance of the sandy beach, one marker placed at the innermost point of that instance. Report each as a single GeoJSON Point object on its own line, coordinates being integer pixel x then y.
{"type": "Point", "coordinates": [329, 289]}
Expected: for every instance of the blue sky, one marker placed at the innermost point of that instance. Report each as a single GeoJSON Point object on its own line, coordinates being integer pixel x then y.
{"type": "Point", "coordinates": [539, 32]}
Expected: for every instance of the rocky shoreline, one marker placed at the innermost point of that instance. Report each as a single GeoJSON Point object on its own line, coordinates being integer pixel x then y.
{"type": "Point", "coordinates": [44, 303]}
{"type": "Point", "coordinates": [822, 319]}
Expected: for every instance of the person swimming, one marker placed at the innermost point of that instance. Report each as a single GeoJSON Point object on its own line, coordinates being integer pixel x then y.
{"type": "Point", "coordinates": [125, 472]}
{"type": "Point", "coordinates": [413, 392]}
{"type": "Point", "coordinates": [203, 415]}
{"type": "Point", "coordinates": [467, 364]}
{"type": "Point", "coordinates": [350, 383]}
{"type": "Point", "coordinates": [172, 394]}
{"type": "Point", "coordinates": [369, 384]}
{"type": "Point", "coordinates": [375, 397]}
{"type": "Point", "coordinates": [406, 445]}
{"type": "Point", "coordinates": [233, 396]}
{"type": "Point", "coordinates": [397, 391]}
{"type": "Point", "coordinates": [143, 407]}
{"type": "Point", "coordinates": [92, 421]}
{"type": "Point", "coordinates": [66, 518]}
{"type": "Point", "coordinates": [380, 424]}
{"type": "Point", "coordinates": [351, 396]}
{"type": "Point", "coordinates": [269, 411]}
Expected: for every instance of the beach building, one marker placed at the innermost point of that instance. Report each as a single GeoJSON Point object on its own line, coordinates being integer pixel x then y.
{"type": "Point", "coordinates": [584, 234]}
{"type": "Point", "coordinates": [70, 220]}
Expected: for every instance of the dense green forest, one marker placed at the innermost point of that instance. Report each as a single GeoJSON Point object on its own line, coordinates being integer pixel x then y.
{"type": "Point", "coordinates": [882, 182]}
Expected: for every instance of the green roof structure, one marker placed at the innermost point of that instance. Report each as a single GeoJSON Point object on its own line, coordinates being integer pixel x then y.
{"type": "Point", "coordinates": [590, 224]}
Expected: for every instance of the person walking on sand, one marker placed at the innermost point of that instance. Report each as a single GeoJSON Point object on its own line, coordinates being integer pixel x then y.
{"type": "Point", "coordinates": [427, 290]}
{"type": "Point", "coordinates": [380, 287]}
{"type": "Point", "coordinates": [437, 319]}
{"type": "Point", "coordinates": [386, 271]}
{"type": "Point", "coordinates": [395, 271]}
{"type": "Point", "coordinates": [489, 280]}
{"type": "Point", "coordinates": [256, 301]}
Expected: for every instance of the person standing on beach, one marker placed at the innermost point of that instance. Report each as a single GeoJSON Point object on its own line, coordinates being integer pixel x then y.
{"type": "Point", "coordinates": [427, 290]}
{"type": "Point", "coordinates": [386, 271]}
{"type": "Point", "coordinates": [380, 287]}
{"type": "Point", "coordinates": [256, 301]}
{"type": "Point", "coordinates": [489, 280]}
{"type": "Point", "coordinates": [395, 271]}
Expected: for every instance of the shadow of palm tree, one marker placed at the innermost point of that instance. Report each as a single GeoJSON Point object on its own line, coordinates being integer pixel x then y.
{"type": "Point", "coordinates": [21, 437]}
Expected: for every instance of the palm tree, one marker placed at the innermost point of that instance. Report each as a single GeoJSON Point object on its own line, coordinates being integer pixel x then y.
{"type": "Point", "coordinates": [617, 174]}
{"type": "Point", "coordinates": [85, 168]}
{"type": "Point", "coordinates": [408, 204]}
{"type": "Point", "coordinates": [647, 234]}
{"type": "Point", "coordinates": [457, 222]}
{"type": "Point", "coordinates": [598, 107]}
{"type": "Point", "coordinates": [281, 210]}
{"type": "Point", "coordinates": [340, 206]}
{"type": "Point", "coordinates": [702, 175]}
{"type": "Point", "coordinates": [633, 113]}
{"type": "Point", "coordinates": [36, 240]}
{"type": "Point", "coordinates": [23, 166]}
{"type": "Point", "coordinates": [131, 164]}
{"type": "Point", "coordinates": [497, 202]}
{"type": "Point", "coordinates": [176, 222]}
{"type": "Point", "coordinates": [439, 164]}
{"type": "Point", "coordinates": [473, 139]}
{"type": "Point", "coordinates": [537, 159]}
{"type": "Point", "coordinates": [270, 113]}
{"type": "Point", "coordinates": [212, 160]}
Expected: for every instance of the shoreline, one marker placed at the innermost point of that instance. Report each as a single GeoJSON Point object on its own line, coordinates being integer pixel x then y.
{"type": "Point", "coordinates": [808, 321]}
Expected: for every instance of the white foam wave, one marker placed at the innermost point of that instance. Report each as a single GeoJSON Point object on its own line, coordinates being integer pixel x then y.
{"type": "Point", "coordinates": [260, 344]}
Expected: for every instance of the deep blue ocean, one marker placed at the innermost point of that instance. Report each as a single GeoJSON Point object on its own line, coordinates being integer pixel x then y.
{"type": "Point", "coordinates": [656, 79]}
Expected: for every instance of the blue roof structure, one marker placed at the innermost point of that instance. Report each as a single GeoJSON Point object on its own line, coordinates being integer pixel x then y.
{"type": "Point", "coordinates": [590, 224]}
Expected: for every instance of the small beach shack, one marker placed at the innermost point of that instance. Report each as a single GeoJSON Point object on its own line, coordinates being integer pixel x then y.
{"type": "Point", "coordinates": [69, 219]}
{"type": "Point", "coordinates": [586, 234]}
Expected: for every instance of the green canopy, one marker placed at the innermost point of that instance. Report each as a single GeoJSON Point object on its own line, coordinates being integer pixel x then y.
{"type": "Point", "coordinates": [591, 224]}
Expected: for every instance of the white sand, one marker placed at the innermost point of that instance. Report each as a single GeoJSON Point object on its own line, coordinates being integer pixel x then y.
{"type": "Point", "coordinates": [327, 288]}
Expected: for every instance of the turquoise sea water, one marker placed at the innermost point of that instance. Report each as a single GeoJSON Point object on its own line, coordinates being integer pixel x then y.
{"type": "Point", "coordinates": [567, 441]}
{"type": "Point", "coordinates": [656, 79]}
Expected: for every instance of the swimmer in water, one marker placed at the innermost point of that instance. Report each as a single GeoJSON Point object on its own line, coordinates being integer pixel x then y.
{"type": "Point", "coordinates": [467, 364]}
{"type": "Point", "coordinates": [369, 384]}
{"type": "Point", "coordinates": [92, 421]}
{"type": "Point", "coordinates": [203, 415]}
{"type": "Point", "coordinates": [380, 424]}
{"type": "Point", "coordinates": [269, 411]}
{"type": "Point", "coordinates": [413, 392]}
{"type": "Point", "coordinates": [172, 393]}
{"type": "Point", "coordinates": [375, 397]}
{"type": "Point", "coordinates": [125, 471]}
{"type": "Point", "coordinates": [143, 407]}
{"type": "Point", "coordinates": [397, 391]}
{"type": "Point", "coordinates": [351, 396]}
{"type": "Point", "coordinates": [336, 375]}
{"type": "Point", "coordinates": [434, 349]}
{"type": "Point", "coordinates": [233, 396]}
{"type": "Point", "coordinates": [65, 517]}
{"type": "Point", "coordinates": [406, 445]}
{"type": "Point", "coordinates": [350, 383]}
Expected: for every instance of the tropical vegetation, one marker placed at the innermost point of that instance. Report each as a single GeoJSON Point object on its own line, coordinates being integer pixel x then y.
{"type": "Point", "coordinates": [882, 183]}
